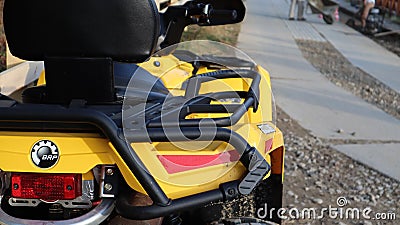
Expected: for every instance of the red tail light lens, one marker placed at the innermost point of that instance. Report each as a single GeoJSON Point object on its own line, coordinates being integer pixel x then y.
{"type": "Point", "coordinates": [48, 187]}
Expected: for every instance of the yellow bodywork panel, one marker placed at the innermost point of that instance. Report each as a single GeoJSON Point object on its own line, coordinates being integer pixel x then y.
{"type": "Point", "coordinates": [42, 79]}
{"type": "Point", "coordinates": [80, 152]}
{"type": "Point", "coordinates": [174, 73]}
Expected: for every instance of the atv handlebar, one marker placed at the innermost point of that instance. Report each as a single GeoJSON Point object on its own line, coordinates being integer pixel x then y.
{"type": "Point", "coordinates": [223, 14]}
{"type": "Point", "coordinates": [206, 15]}
{"type": "Point", "coordinates": [176, 18]}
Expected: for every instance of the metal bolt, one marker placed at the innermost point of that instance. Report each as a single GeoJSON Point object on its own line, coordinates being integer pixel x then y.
{"type": "Point", "coordinates": [16, 186]}
{"type": "Point", "coordinates": [69, 187]}
{"type": "Point", "coordinates": [108, 187]}
{"type": "Point", "coordinates": [157, 63]}
{"type": "Point", "coordinates": [110, 171]}
{"type": "Point", "coordinates": [231, 191]}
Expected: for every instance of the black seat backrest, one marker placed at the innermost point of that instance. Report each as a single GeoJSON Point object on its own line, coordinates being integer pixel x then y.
{"type": "Point", "coordinates": [79, 40]}
{"type": "Point", "coordinates": [124, 30]}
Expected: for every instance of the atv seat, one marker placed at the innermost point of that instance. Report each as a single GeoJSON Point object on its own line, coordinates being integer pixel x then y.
{"type": "Point", "coordinates": [123, 74]}
{"type": "Point", "coordinates": [79, 41]}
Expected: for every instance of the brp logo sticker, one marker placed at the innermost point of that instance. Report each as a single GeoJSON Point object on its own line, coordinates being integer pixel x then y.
{"type": "Point", "coordinates": [45, 154]}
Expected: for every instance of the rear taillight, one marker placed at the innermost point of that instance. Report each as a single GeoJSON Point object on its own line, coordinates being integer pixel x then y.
{"type": "Point", "coordinates": [48, 187]}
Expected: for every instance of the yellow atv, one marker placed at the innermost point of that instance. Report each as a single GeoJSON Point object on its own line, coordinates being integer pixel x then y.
{"type": "Point", "coordinates": [126, 125]}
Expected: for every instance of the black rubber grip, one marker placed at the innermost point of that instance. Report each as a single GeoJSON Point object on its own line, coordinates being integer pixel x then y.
{"type": "Point", "coordinates": [223, 14]}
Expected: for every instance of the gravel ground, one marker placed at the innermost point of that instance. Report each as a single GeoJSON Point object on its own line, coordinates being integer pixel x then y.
{"type": "Point", "coordinates": [316, 175]}
{"type": "Point", "coordinates": [342, 73]}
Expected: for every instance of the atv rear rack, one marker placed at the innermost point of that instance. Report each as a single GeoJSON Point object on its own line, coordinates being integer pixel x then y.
{"type": "Point", "coordinates": [48, 117]}
{"type": "Point", "coordinates": [175, 109]}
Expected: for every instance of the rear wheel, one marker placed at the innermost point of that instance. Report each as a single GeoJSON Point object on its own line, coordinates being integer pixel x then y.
{"type": "Point", "coordinates": [268, 197]}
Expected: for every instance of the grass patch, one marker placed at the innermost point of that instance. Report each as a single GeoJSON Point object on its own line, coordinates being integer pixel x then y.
{"type": "Point", "coordinates": [227, 34]}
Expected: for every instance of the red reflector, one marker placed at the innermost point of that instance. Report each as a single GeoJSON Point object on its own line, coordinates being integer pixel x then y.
{"type": "Point", "coordinates": [48, 187]}
{"type": "Point", "coordinates": [179, 163]}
